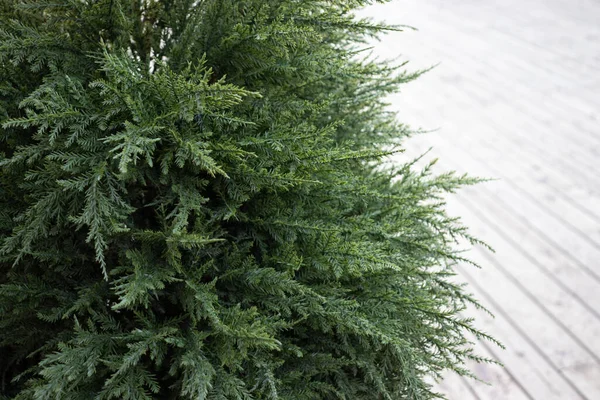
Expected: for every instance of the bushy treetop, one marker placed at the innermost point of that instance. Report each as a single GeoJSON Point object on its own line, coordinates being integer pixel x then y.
{"type": "Point", "coordinates": [194, 205]}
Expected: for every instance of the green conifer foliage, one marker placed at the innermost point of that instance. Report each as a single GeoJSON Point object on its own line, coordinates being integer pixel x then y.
{"type": "Point", "coordinates": [194, 206]}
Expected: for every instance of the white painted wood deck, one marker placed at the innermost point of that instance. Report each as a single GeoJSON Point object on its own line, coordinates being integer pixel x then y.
{"type": "Point", "coordinates": [517, 97]}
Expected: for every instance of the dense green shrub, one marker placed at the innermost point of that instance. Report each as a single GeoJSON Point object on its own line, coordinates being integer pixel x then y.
{"type": "Point", "coordinates": [195, 205]}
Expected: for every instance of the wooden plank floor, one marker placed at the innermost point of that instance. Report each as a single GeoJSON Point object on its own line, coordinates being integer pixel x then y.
{"type": "Point", "coordinates": [516, 96]}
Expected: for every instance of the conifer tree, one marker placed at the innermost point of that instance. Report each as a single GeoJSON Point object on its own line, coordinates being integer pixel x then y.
{"type": "Point", "coordinates": [195, 205]}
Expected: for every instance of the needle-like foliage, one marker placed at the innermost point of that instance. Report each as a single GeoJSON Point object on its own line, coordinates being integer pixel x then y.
{"type": "Point", "coordinates": [193, 206]}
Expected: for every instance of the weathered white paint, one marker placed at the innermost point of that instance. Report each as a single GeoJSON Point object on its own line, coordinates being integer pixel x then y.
{"type": "Point", "coordinates": [516, 97]}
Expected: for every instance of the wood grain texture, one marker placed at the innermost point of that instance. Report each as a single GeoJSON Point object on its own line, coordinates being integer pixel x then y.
{"type": "Point", "coordinates": [516, 97]}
